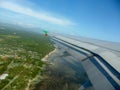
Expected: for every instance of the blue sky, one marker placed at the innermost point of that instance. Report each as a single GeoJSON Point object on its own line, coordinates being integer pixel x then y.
{"type": "Point", "coordinates": [98, 19]}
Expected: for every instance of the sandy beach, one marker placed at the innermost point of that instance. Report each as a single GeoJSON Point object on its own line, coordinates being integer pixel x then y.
{"type": "Point", "coordinates": [49, 54]}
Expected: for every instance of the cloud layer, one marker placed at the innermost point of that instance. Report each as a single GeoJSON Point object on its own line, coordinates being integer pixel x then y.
{"type": "Point", "coordinates": [40, 15]}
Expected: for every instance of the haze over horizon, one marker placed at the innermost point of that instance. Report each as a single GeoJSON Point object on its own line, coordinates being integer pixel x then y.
{"type": "Point", "coordinates": [99, 19]}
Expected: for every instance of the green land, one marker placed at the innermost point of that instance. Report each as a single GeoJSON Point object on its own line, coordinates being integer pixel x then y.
{"type": "Point", "coordinates": [20, 57]}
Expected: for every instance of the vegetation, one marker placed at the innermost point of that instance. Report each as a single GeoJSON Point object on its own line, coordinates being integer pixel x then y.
{"type": "Point", "coordinates": [20, 57]}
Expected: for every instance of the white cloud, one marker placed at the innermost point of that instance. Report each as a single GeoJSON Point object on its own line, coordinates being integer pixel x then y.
{"type": "Point", "coordinates": [40, 15]}
{"type": "Point", "coordinates": [29, 25]}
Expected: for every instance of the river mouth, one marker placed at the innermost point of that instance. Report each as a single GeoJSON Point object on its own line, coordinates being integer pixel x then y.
{"type": "Point", "coordinates": [63, 73]}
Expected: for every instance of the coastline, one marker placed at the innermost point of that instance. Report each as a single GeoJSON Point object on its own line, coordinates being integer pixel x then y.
{"type": "Point", "coordinates": [44, 59]}
{"type": "Point", "coordinates": [49, 54]}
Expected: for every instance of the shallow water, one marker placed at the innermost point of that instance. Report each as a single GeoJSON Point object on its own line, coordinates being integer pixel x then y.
{"type": "Point", "coordinates": [63, 73]}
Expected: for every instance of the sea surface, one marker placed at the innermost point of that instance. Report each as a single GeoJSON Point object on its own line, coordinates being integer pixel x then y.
{"type": "Point", "coordinates": [63, 72]}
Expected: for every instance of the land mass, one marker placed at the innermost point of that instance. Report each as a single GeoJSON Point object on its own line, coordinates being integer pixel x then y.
{"type": "Point", "coordinates": [21, 52]}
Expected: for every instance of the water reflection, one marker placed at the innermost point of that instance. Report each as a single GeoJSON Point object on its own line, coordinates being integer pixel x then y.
{"type": "Point", "coordinates": [64, 73]}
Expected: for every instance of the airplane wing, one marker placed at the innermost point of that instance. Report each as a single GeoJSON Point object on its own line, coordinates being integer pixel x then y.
{"type": "Point", "coordinates": [100, 59]}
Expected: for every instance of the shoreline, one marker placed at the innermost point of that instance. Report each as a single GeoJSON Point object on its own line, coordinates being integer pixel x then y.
{"type": "Point", "coordinates": [45, 58]}
{"type": "Point", "coordinates": [57, 78]}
